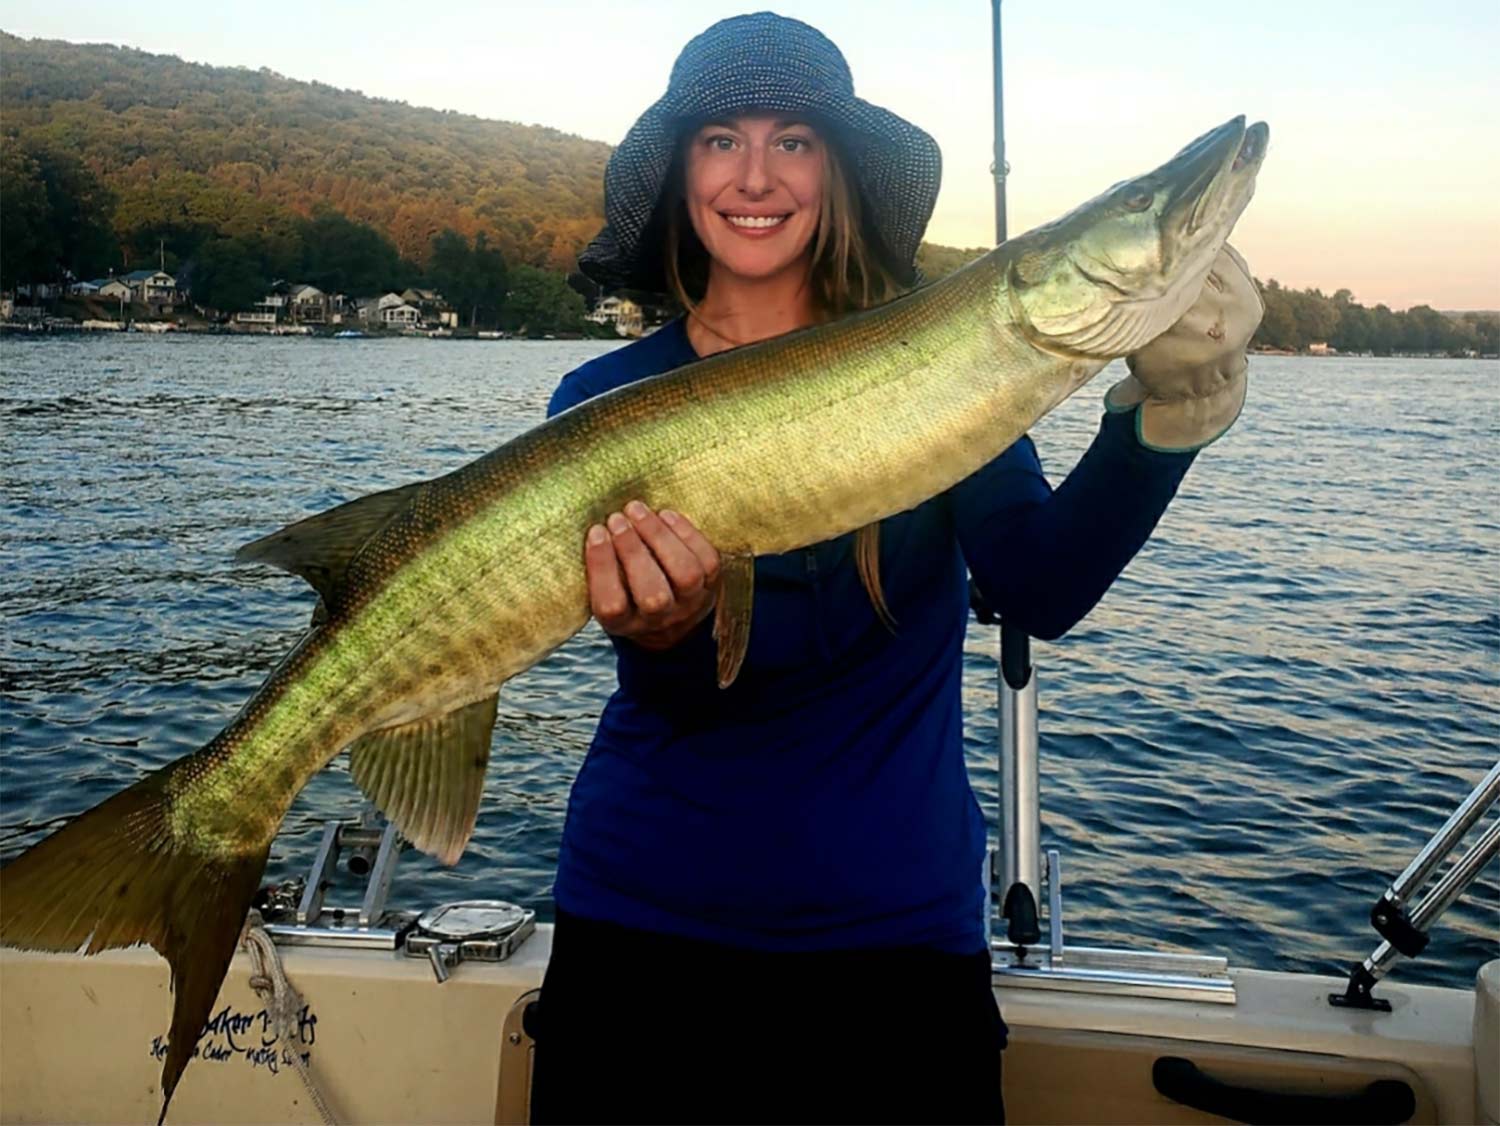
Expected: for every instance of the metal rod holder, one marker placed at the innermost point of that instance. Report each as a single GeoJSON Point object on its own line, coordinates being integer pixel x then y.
{"type": "Point", "coordinates": [1405, 931]}
{"type": "Point", "coordinates": [1019, 956]}
{"type": "Point", "coordinates": [1409, 882]}
{"type": "Point", "coordinates": [370, 848]}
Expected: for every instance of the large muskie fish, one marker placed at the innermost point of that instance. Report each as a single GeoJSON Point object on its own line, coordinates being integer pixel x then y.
{"type": "Point", "coordinates": [434, 594]}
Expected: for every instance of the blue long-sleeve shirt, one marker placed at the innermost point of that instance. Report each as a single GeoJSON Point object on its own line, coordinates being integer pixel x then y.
{"type": "Point", "coordinates": [822, 801]}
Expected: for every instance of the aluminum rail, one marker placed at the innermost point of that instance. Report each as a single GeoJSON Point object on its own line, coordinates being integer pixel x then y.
{"type": "Point", "coordinates": [1404, 932]}
{"type": "Point", "coordinates": [1409, 882]}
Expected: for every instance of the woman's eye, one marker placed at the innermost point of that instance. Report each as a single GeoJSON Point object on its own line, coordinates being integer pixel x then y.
{"type": "Point", "coordinates": [793, 144]}
{"type": "Point", "coordinates": [721, 143]}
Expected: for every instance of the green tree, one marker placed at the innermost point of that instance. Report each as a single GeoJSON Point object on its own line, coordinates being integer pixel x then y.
{"type": "Point", "coordinates": [340, 255]}
{"type": "Point", "coordinates": [472, 279]}
{"type": "Point", "coordinates": [1278, 326]}
{"type": "Point", "coordinates": [62, 214]}
{"type": "Point", "coordinates": [541, 302]}
{"type": "Point", "coordinates": [1485, 332]}
{"type": "Point", "coordinates": [1424, 329]}
{"type": "Point", "coordinates": [80, 208]}
{"type": "Point", "coordinates": [1384, 329]}
{"type": "Point", "coordinates": [228, 275]}
{"type": "Point", "coordinates": [491, 281]}
{"type": "Point", "coordinates": [1317, 318]}
{"type": "Point", "coordinates": [1355, 329]}
{"type": "Point", "coordinates": [450, 269]}
{"type": "Point", "coordinates": [27, 244]}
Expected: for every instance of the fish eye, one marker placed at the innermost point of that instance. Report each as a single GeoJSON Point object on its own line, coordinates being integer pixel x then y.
{"type": "Point", "coordinates": [1138, 199]}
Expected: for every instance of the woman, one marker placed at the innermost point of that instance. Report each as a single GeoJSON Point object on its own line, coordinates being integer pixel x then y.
{"type": "Point", "coordinates": [769, 903]}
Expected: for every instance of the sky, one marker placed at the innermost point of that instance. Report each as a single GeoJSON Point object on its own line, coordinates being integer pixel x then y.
{"type": "Point", "coordinates": [1383, 175]}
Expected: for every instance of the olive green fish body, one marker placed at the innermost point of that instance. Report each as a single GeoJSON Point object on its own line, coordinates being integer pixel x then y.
{"type": "Point", "coordinates": [767, 449]}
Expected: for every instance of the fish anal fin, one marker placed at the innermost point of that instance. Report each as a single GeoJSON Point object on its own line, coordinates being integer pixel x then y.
{"type": "Point", "coordinates": [736, 597]}
{"type": "Point", "coordinates": [320, 547]}
{"type": "Point", "coordinates": [428, 776]}
{"type": "Point", "coordinates": [867, 560]}
{"type": "Point", "coordinates": [116, 876]}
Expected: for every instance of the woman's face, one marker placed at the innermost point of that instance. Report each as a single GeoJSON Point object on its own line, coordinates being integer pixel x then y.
{"type": "Point", "coordinates": [754, 192]}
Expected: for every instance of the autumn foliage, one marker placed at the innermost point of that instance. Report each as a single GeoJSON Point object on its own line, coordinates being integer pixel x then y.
{"type": "Point", "coordinates": [190, 152]}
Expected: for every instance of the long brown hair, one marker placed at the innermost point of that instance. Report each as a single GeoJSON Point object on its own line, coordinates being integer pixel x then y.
{"type": "Point", "coordinates": [847, 272]}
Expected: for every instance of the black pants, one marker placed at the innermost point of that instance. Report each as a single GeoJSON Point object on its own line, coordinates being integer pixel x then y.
{"type": "Point", "coordinates": [639, 1027]}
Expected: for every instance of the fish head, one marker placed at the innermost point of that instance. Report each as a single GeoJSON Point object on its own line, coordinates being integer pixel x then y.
{"type": "Point", "coordinates": [1114, 274]}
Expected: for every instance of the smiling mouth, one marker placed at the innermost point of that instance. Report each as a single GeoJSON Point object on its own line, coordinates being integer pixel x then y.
{"type": "Point", "coordinates": [756, 222]}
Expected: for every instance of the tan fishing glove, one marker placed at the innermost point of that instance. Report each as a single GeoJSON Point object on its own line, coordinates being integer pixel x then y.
{"type": "Point", "coordinates": [1190, 381]}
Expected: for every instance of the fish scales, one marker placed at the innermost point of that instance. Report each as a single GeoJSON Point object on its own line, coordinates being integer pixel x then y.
{"type": "Point", "coordinates": [810, 440]}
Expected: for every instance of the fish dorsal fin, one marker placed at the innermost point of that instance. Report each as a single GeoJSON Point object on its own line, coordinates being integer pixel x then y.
{"type": "Point", "coordinates": [867, 560]}
{"type": "Point", "coordinates": [320, 547]}
{"type": "Point", "coordinates": [428, 776]}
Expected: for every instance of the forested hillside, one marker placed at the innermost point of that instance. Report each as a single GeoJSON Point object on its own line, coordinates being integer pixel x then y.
{"type": "Point", "coordinates": [185, 151]}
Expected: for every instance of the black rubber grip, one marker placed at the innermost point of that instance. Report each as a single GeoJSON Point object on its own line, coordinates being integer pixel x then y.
{"type": "Point", "coordinates": [1015, 656]}
{"type": "Point", "coordinates": [1383, 1101]}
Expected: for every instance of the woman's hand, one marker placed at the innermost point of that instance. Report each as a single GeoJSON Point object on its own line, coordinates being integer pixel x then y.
{"type": "Point", "coordinates": [652, 576]}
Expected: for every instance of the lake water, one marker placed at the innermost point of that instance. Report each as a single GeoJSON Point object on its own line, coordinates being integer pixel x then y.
{"type": "Point", "coordinates": [1281, 699]}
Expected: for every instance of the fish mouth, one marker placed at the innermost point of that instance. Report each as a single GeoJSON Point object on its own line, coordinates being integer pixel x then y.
{"type": "Point", "coordinates": [1210, 180]}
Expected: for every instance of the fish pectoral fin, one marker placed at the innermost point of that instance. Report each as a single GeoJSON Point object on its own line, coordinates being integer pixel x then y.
{"type": "Point", "coordinates": [428, 776]}
{"type": "Point", "coordinates": [867, 560]}
{"type": "Point", "coordinates": [320, 547]}
{"type": "Point", "coordinates": [732, 612]}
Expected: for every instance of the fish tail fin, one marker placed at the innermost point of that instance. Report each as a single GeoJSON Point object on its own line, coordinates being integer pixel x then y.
{"type": "Point", "coordinates": [117, 876]}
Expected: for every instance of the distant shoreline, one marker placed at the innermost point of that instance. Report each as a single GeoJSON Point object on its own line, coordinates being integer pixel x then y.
{"type": "Point", "coordinates": [161, 328]}
{"type": "Point", "coordinates": [1332, 354]}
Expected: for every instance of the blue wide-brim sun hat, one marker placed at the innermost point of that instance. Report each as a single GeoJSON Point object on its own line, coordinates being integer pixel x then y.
{"type": "Point", "coordinates": [763, 62]}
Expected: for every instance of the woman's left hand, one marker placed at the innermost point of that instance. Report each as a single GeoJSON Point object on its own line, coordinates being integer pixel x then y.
{"type": "Point", "coordinates": [1189, 382]}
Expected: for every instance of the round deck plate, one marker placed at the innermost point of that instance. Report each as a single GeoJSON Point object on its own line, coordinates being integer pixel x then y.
{"type": "Point", "coordinates": [470, 919]}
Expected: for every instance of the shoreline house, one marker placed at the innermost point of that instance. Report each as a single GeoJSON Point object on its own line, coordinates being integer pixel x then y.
{"type": "Point", "coordinates": [156, 289]}
{"type": "Point", "coordinates": [116, 289]}
{"type": "Point", "coordinates": [394, 311]}
{"type": "Point", "coordinates": [621, 312]}
{"type": "Point", "coordinates": [269, 310]}
{"type": "Point", "coordinates": [424, 301]}
{"type": "Point", "coordinates": [308, 304]}
{"type": "Point", "coordinates": [341, 308]}
{"type": "Point", "coordinates": [434, 309]}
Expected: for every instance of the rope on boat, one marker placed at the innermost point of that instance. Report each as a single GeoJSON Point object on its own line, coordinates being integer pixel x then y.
{"type": "Point", "coordinates": [268, 979]}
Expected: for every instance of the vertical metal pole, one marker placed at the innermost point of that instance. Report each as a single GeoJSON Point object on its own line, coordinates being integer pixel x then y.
{"type": "Point", "coordinates": [999, 169]}
{"type": "Point", "coordinates": [1019, 874]}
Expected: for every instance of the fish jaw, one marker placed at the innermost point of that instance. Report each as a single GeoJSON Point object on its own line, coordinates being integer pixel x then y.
{"type": "Point", "coordinates": [1114, 274]}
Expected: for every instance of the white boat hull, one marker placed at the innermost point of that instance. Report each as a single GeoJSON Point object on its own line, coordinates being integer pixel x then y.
{"type": "Point", "coordinates": [80, 1037]}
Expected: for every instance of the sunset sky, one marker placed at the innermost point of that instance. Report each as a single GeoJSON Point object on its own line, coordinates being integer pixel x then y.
{"type": "Point", "coordinates": [1383, 174]}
